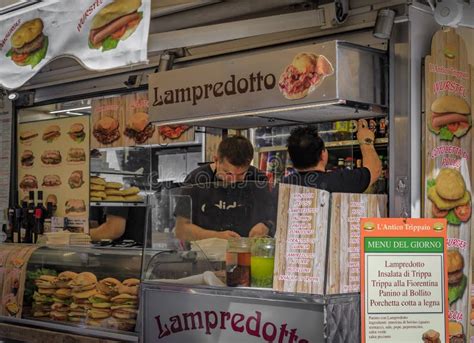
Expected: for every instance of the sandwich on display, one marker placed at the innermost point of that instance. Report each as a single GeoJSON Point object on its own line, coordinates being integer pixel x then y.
{"type": "Point", "coordinates": [29, 44]}
{"type": "Point", "coordinates": [51, 133]}
{"type": "Point", "coordinates": [139, 128]}
{"type": "Point", "coordinates": [51, 181]}
{"type": "Point", "coordinates": [27, 158]}
{"type": "Point", "coordinates": [76, 155]}
{"type": "Point", "coordinates": [449, 196]}
{"type": "Point", "coordinates": [114, 23]}
{"type": "Point", "coordinates": [303, 75]}
{"type": "Point", "coordinates": [450, 117]}
{"type": "Point", "coordinates": [106, 130]}
{"type": "Point", "coordinates": [77, 133]}
{"type": "Point", "coordinates": [51, 157]}
{"type": "Point", "coordinates": [27, 137]}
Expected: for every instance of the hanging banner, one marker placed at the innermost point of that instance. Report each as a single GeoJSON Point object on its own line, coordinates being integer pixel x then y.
{"type": "Point", "coordinates": [403, 280]}
{"type": "Point", "coordinates": [447, 166]}
{"type": "Point", "coordinates": [100, 34]}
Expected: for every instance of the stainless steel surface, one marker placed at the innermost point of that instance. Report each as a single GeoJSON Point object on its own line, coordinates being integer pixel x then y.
{"type": "Point", "coordinates": [409, 45]}
{"type": "Point", "coordinates": [235, 30]}
{"type": "Point", "coordinates": [358, 82]}
{"type": "Point", "coordinates": [343, 318]}
{"type": "Point", "coordinates": [304, 314]}
{"type": "Point", "coordinates": [71, 328]}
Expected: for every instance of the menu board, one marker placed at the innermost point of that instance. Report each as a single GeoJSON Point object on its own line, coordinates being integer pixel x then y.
{"type": "Point", "coordinates": [123, 121]}
{"type": "Point", "coordinates": [53, 156]}
{"type": "Point", "coordinates": [404, 265]}
{"type": "Point", "coordinates": [448, 165]}
{"type": "Point", "coordinates": [347, 210]}
{"type": "Point", "coordinates": [5, 149]}
{"type": "Point", "coordinates": [301, 239]}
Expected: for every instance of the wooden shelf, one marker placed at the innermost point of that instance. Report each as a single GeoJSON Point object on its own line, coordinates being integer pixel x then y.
{"type": "Point", "coordinates": [329, 145]}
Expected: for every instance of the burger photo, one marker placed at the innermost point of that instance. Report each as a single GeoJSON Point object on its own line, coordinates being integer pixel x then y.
{"type": "Point", "coordinates": [456, 333]}
{"type": "Point", "coordinates": [51, 133]}
{"type": "Point", "coordinates": [450, 117]}
{"type": "Point", "coordinates": [51, 157]}
{"type": "Point", "coordinates": [172, 131]}
{"type": "Point", "coordinates": [431, 336]}
{"type": "Point", "coordinates": [76, 155]}
{"type": "Point", "coordinates": [76, 132]}
{"type": "Point", "coordinates": [106, 130]}
{"type": "Point", "coordinates": [75, 207]}
{"type": "Point", "coordinates": [27, 136]}
{"type": "Point", "coordinates": [51, 181]}
{"type": "Point", "coordinates": [306, 72]}
{"type": "Point", "coordinates": [115, 22]}
{"type": "Point", "coordinates": [139, 128]}
{"type": "Point", "coordinates": [457, 281]}
{"type": "Point", "coordinates": [29, 44]}
{"type": "Point", "coordinates": [75, 180]}
{"type": "Point", "coordinates": [27, 158]}
{"type": "Point", "coordinates": [29, 182]}
{"type": "Point", "coordinates": [449, 196]}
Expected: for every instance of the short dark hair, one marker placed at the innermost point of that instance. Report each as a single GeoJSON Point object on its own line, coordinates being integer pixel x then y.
{"type": "Point", "coordinates": [237, 150]}
{"type": "Point", "coordinates": [305, 147]}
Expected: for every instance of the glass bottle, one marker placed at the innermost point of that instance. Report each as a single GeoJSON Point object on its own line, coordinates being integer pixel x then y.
{"type": "Point", "coordinates": [238, 262]}
{"type": "Point", "coordinates": [262, 262]}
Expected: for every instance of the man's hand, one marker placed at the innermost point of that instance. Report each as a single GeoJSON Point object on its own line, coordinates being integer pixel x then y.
{"type": "Point", "coordinates": [227, 234]}
{"type": "Point", "coordinates": [259, 230]}
{"type": "Point", "coordinates": [364, 135]}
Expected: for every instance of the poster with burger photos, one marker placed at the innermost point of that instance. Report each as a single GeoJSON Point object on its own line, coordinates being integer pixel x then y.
{"type": "Point", "coordinates": [447, 164]}
{"type": "Point", "coordinates": [53, 156]}
{"type": "Point", "coordinates": [123, 121]}
{"type": "Point", "coordinates": [101, 35]}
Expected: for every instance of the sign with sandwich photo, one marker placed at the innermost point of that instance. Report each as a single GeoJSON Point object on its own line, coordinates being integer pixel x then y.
{"type": "Point", "coordinates": [447, 165]}
{"type": "Point", "coordinates": [53, 156]}
{"type": "Point", "coordinates": [101, 35]}
{"type": "Point", "coordinates": [405, 271]}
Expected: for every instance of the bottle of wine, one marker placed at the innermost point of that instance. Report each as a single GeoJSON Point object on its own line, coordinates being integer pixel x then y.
{"type": "Point", "coordinates": [30, 217]}
{"type": "Point", "coordinates": [40, 212]}
{"type": "Point", "coordinates": [23, 221]}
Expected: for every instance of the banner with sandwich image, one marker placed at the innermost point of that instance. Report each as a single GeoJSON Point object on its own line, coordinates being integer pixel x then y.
{"type": "Point", "coordinates": [447, 165]}
{"type": "Point", "coordinates": [100, 35]}
{"type": "Point", "coordinates": [53, 156]}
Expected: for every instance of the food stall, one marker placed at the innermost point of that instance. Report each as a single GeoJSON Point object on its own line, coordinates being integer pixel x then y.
{"type": "Point", "coordinates": [388, 92]}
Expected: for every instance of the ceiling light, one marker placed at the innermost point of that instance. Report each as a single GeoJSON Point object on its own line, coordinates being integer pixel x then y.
{"type": "Point", "coordinates": [71, 109]}
{"type": "Point", "coordinates": [13, 96]}
{"type": "Point", "coordinates": [384, 23]}
{"type": "Point", "coordinates": [74, 113]}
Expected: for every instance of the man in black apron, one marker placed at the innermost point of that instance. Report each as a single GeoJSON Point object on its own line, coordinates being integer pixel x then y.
{"type": "Point", "coordinates": [226, 199]}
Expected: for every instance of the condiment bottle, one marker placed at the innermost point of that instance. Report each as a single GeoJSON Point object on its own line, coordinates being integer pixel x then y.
{"type": "Point", "coordinates": [238, 262]}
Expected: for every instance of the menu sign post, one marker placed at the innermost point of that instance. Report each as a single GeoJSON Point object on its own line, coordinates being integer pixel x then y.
{"type": "Point", "coordinates": [403, 280]}
{"type": "Point", "coordinates": [447, 183]}
{"type": "Point", "coordinates": [301, 236]}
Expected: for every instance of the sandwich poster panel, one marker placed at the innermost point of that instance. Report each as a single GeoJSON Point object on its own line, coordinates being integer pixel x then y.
{"type": "Point", "coordinates": [108, 122]}
{"type": "Point", "coordinates": [53, 157]}
{"type": "Point", "coordinates": [447, 165]}
{"type": "Point", "coordinates": [404, 280]}
{"type": "Point", "coordinates": [101, 35]}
